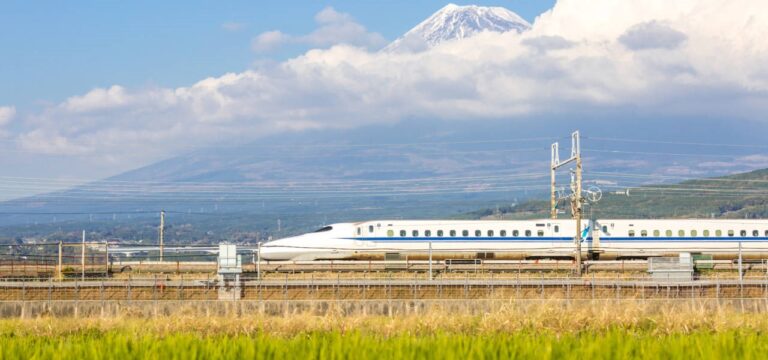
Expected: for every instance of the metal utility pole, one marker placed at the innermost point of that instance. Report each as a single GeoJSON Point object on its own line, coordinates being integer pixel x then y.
{"type": "Point", "coordinates": [553, 193]}
{"type": "Point", "coordinates": [82, 258]}
{"type": "Point", "coordinates": [578, 211]}
{"type": "Point", "coordinates": [61, 269]}
{"type": "Point", "coordinates": [430, 261]}
{"type": "Point", "coordinates": [162, 233]}
{"type": "Point", "coordinates": [106, 258]}
{"type": "Point", "coordinates": [576, 198]}
{"type": "Point", "coordinates": [741, 272]}
{"type": "Point", "coordinates": [258, 261]}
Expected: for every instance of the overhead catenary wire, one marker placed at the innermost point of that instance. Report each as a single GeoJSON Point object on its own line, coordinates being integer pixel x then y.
{"type": "Point", "coordinates": [685, 143]}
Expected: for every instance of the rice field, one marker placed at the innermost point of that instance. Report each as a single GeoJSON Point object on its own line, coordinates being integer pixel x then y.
{"type": "Point", "coordinates": [543, 331]}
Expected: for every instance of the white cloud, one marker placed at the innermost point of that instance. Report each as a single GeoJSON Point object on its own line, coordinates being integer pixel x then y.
{"type": "Point", "coordinates": [97, 99]}
{"type": "Point", "coordinates": [269, 40]}
{"type": "Point", "coordinates": [333, 28]}
{"type": "Point", "coordinates": [652, 35]}
{"type": "Point", "coordinates": [50, 143]}
{"type": "Point", "coordinates": [7, 113]}
{"type": "Point", "coordinates": [572, 61]}
{"type": "Point", "coordinates": [233, 26]}
{"type": "Point", "coordinates": [329, 15]}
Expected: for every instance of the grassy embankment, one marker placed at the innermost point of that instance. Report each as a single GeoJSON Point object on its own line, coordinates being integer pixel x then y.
{"type": "Point", "coordinates": [543, 331]}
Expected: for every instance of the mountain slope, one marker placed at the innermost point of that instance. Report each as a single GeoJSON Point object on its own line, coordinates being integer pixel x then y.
{"type": "Point", "coordinates": [454, 22]}
{"type": "Point", "coordinates": [736, 196]}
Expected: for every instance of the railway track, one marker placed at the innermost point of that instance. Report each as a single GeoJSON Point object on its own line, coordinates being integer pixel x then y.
{"type": "Point", "coordinates": [21, 269]}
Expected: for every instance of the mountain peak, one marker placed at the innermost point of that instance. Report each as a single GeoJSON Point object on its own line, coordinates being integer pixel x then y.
{"type": "Point", "coordinates": [455, 22]}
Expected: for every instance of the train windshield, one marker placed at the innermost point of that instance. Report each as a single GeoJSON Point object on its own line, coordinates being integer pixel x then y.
{"type": "Point", "coordinates": [324, 229]}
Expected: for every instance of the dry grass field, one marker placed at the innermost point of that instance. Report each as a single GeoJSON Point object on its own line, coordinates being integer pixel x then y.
{"type": "Point", "coordinates": [532, 330]}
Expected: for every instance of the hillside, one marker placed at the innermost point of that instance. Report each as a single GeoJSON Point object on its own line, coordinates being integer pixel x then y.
{"type": "Point", "coordinates": [735, 196]}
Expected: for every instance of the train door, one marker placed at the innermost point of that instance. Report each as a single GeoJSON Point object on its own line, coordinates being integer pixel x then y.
{"type": "Point", "coordinates": [367, 233]}
{"type": "Point", "coordinates": [592, 238]}
{"type": "Point", "coordinates": [360, 233]}
{"type": "Point", "coordinates": [549, 244]}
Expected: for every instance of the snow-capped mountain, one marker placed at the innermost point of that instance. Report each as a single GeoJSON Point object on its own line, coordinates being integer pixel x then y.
{"type": "Point", "coordinates": [454, 22]}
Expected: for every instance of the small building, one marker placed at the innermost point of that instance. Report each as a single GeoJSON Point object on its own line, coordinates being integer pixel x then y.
{"type": "Point", "coordinates": [672, 268]}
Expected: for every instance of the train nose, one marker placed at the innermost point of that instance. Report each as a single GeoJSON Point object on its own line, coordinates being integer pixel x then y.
{"type": "Point", "coordinates": [279, 250]}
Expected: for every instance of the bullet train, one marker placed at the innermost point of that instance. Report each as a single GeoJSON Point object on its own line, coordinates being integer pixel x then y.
{"type": "Point", "coordinates": [524, 239]}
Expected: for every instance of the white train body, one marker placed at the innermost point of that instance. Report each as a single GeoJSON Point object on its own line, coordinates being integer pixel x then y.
{"type": "Point", "coordinates": [512, 239]}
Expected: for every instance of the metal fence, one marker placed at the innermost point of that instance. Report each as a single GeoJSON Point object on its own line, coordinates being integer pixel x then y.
{"type": "Point", "coordinates": [158, 288]}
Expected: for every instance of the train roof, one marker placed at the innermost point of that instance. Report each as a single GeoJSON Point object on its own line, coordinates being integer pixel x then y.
{"type": "Point", "coordinates": [602, 220]}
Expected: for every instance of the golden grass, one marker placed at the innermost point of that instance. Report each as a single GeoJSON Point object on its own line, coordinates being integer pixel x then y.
{"type": "Point", "coordinates": [550, 317]}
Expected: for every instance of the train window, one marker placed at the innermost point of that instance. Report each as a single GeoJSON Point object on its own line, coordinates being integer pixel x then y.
{"type": "Point", "coordinates": [515, 233]}
{"type": "Point", "coordinates": [359, 231]}
{"type": "Point", "coordinates": [415, 233]}
{"type": "Point", "coordinates": [643, 232]}
{"type": "Point", "coordinates": [390, 233]}
{"type": "Point", "coordinates": [605, 229]}
{"type": "Point", "coordinates": [755, 233]}
{"type": "Point", "coordinates": [324, 229]}
{"type": "Point", "coordinates": [478, 233]}
{"type": "Point", "coordinates": [439, 232]}
{"type": "Point", "coordinates": [453, 232]}
{"type": "Point", "coordinates": [680, 233]}
{"type": "Point", "coordinates": [706, 233]}
{"type": "Point", "coordinates": [490, 233]}
{"type": "Point", "coordinates": [402, 233]}
{"type": "Point", "coordinates": [730, 232]}
{"type": "Point", "coordinates": [668, 232]}
{"type": "Point", "coordinates": [503, 233]}
{"type": "Point", "coordinates": [557, 228]}
{"type": "Point", "coordinates": [656, 233]}
{"type": "Point", "coordinates": [631, 233]}
{"type": "Point", "coordinates": [766, 233]}
{"type": "Point", "coordinates": [743, 232]}
{"type": "Point", "coordinates": [718, 232]}
{"type": "Point", "coordinates": [540, 233]}
{"type": "Point", "coordinates": [527, 232]}
{"type": "Point", "coordinates": [427, 232]}
{"type": "Point", "coordinates": [464, 232]}
{"type": "Point", "coordinates": [694, 233]}
{"type": "Point", "coordinates": [370, 228]}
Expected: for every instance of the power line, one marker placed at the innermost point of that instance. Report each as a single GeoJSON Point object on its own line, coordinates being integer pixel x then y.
{"type": "Point", "coordinates": [674, 142]}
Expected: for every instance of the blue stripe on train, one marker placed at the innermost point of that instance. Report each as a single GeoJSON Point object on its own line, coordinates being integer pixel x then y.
{"type": "Point", "coordinates": [550, 239]}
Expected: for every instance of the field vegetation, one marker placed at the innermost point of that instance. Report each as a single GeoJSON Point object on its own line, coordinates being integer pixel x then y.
{"type": "Point", "coordinates": [539, 330]}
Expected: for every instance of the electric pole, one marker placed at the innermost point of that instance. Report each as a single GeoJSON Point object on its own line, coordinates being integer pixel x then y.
{"type": "Point", "coordinates": [162, 232]}
{"type": "Point", "coordinates": [576, 199]}
{"type": "Point", "coordinates": [553, 193]}
{"type": "Point", "coordinates": [577, 213]}
{"type": "Point", "coordinates": [61, 269]}
{"type": "Point", "coordinates": [82, 258]}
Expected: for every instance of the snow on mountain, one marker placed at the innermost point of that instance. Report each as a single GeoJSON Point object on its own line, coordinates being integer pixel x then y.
{"type": "Point", "coordinates": [454, 22]}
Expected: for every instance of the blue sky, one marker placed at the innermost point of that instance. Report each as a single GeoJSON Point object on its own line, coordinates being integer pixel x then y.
{"type": "Point", "coordinates": [56, 49]}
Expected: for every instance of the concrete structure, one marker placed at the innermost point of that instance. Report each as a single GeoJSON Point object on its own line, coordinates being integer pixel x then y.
{"type": "Point", "coordinates": [671, 268]}
{"type": "Point", "coordinates": [229, 269]}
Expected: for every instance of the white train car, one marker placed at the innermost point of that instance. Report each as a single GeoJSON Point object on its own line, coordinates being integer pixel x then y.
{"type": "Point", "coordinates": [544, 238]}
{"type": "Point", "coordinates": [721, 238]}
